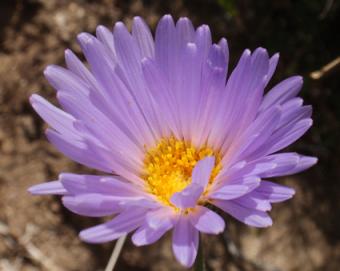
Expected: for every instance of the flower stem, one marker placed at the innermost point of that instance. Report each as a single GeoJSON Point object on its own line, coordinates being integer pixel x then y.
{"type": "Point", "coordinates": [200, 260]}
{"type": "Point", "coordinates": [115, 253]}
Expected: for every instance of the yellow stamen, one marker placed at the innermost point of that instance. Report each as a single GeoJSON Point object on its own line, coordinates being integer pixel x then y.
{"type": "Point", "coordinates": [169, 165]}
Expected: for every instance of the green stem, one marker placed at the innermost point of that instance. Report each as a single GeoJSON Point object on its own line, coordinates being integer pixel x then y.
{"type": "Point", "coordinates": [200, 260]}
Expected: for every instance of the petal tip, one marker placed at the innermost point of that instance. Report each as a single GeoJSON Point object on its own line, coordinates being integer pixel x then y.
{"type": "Point", "coordinates": [166, 17]}
{"type": "Point", "coordinates": [85, 38]}
{"type": "Point", "coordinates": [269, 224]}
{"type": "Point", "coordinates": [313, 161]}
{"type": "Point", "coordinates": [183, 20]}
{"type": "Point", "coordinates": [33, 190]}
{"type": "Point", "coordinates": [68, 53]}
{"type": "Point", "coordinates": [203, 28]}
{"type": "Point", "coordinates": [276, 56]}
{"type": "Point", "coordinates": [100, 28]}
{"type": "Point", "coordinates": [247, 52]}
{"type": "Point", "coordinates": [83, 236]}
{"type": "Point", "coordinates": [48, 70]}
{"type": "Point", "coordinates": [119, 26]}
{"type": "Point", "coordinates": [88, 236]}
{"type": "Point", "coordinates": [33, 99]}
{"type": "Point", "coordinates": [137, 241]}
{"type": "Point", "coordinates": [298, 79]}
{"type": "Point", "coordinates": [261, 50]}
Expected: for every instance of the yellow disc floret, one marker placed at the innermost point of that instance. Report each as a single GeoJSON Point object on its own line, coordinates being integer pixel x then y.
{"type": "Point", "coordinates": [168, 166]}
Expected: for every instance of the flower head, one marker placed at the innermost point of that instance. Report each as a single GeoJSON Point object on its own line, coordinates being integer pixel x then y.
{"type": "Point", "coordinates": [172, 133]}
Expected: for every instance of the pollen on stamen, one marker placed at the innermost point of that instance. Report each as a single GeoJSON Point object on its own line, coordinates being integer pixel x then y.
{"type": "Point", "coordinates": [168, 166]}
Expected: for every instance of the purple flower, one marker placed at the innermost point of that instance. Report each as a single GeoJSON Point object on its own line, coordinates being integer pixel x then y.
{"type": "Point", "coordinates": [172, 133]}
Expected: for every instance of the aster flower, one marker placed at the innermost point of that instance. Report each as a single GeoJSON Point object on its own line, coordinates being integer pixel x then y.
{"type": "Point", "coordinates": [171, 133]}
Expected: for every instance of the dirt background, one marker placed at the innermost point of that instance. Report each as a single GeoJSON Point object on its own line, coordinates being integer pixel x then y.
{"type": "Point", "coordinates": [37, 233]}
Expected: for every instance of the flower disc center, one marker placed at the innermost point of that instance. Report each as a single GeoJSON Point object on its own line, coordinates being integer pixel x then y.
{"type": "Point", "coordinates": [169, 165]}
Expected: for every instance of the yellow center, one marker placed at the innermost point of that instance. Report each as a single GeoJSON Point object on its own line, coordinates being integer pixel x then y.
{"type": "Point", "coordinates": [169, 165]}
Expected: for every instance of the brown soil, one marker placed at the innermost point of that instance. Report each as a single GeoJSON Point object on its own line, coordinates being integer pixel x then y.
{"type": "Point", "coordinates": [34, 34]}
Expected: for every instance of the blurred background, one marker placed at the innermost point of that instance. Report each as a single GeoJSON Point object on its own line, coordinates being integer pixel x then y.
{"type": "Point", "coordinates": [37, 233]}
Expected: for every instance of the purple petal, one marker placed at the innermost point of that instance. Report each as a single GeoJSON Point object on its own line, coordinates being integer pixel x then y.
{"type": "Point", "coordinates": [206, 220]}
{"type": "Point", "coordinates": [293, 111]}
{"type": "Point", "coordinates": [243, 170]}
{"type": "Point", "coordinates": [127, 202]}
{"type": "Point", "coordinates": [304, 163]}
{"type": "Point", "coordinates": [142, 35]}
{"type": "Point", "coordinates": [272, 66]}
{"type": "Point", "coordinates": [123, 223]}
{"type": "Point", "coordinates": [250, 181]}
{"type": "Point", "coordinates": [50, 188]}
{"type": "Point", "coordinates": [216, 67]}
{"type": "Point", "coordinates": [253, 203]}
{"type": "Point", "coordinates": [157, 223]}
{"type": "Point", "coordinates": [203, 40]}
{"type": "Point", "coordinates": [77, 151]}
{"type": "Point", "coordinates": [185, 242]}
{"type": "Point", "coordinates": [202, 171]}
{"type": "Point", "coordinates": [230, 191]}
{"type": "Point", "coordinates": [125, 194]}
{"type": "Point", "coordinates": [155, 218]}
{"type": "Point", "coordinates": [101, 127]}
{"type": "Point", "coordinates": [105, 72]}
{"type": "Point", "coordinates": [242, 184]}
{"type": "Point", "coordinates": [273, 192]}
{"type": "Point", "coordinates": [55, 117]}
{"type": "Point", "coordinates": [223, 43]}
{"type": "Point", "coordinates": [288, 135]}
{"type": "Point", "coordinates": [246, 83]}
{"type": "Point", "coordinates": [256, 135]}
{"type": "Point", "coordinates": [252, 87]}
{"type": "Point", "coordinates": [286, 164]}
{"type": "Point", "coordinates": [92, 155]}
{"type": "Point", "coordinates": [186, 85]}
{"type": "Point", "coordinates": [130, 70]}
{"type": "Point", "coordinates": [185, 32]}
{"type": "Point", "coordinates": [127, 52]}
{"type": "Point", "coordinates": [97, 92]}
{"type": "Point", "coordinates": [188, 197]}
{"type": "Point", "coordinates": [146, 235]}
{"type": "Point", "coordinates": [282, 92]}
{"type": "Point", "coordinates": [96, 54]}
{"type": "Point", "coordinates": [165, 45]}
{"type": "Point", "coordinates": [156, 83]}
{"type": "Point", "coordinates": [61, 78]}
{"type": "Point", "coordinates": [79, 89]}
{"type": "Point", "coordinates": [213, 78]}
{"type": "Point", "coordinates": [228, 101]}
{"type": "Point", "coordinates": [93, 205]}
{"type": "Point", "coordinates": [77, 67]}
{"type": "Point", "coordinates": [80, 184]}
{"type": "Point", "coordinates": [105, 36]}
{"type": "Point", "coordinates": [248, 216]}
